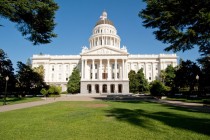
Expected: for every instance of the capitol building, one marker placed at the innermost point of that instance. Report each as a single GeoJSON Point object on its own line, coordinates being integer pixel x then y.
{"type": "Point", "coordinates": [104, 65]}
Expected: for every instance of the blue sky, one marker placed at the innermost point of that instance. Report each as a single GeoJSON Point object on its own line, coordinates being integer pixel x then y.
{"type": "Point", "coordinates": [75, 21]}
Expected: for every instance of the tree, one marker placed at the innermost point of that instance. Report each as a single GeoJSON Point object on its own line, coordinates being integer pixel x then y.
{"type": "Point", "coordinates": [181, 23]}
{"type": "Point", "coordinates": [157, 88]}
{"type": "Point", "coordinates": [73, 85]}
{"type": "Point", "coordinates": [204, 78]}
{"type": "Point", "coordinates": [162, 76]}
{"type": "Point", "coordinates": [6, 69]}
{"type": "Point", "coordinates": [133, 82]}
{"type": "Point", "coordinates": [39, 70]}
{"type": "Point", "coordinates": [186, 75]}
{"type": "Point", "coordinates": [34, 18]}
{"type": "Point", "coordinates": [28, 80]}
{"type": "Point", "coordinates": [169, 76]}
{"type": "Point", "coordinates": [143, 83]}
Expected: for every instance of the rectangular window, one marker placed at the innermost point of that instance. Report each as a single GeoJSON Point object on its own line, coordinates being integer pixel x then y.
{"type": "Point", "coordinates": [91, 75]}
{"type": "Point", "coordinates": [67, 67]}
{"type": "Point", "coordinates": [112, 66]}
{"type": "Point", "coordinates": [156, 67]}
{"type": "Point", "coordinates": [67, 77]}
{"type": "Point", "coordinates": [53, 68]}
{"type": "Point", "coordinates": [96, 75]}
{"type": "Point", "coordinates": [118, 75]}
{"type": "Point", "coordinates": [150, 75]}
{"type": "Point", "coordinates": [104, 75]}
{"type": "Point", "coordinates": [118, 66]}
{"type": "Point", "coordinates": [112, 75]}
{"type": "Point", "coordinates": [91, 67]}
{"type": "Point", "coordinates": [96, 66]}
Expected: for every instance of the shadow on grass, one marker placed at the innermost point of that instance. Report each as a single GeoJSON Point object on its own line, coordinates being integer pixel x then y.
{"type": "Point", "coordinates": [135, 117]}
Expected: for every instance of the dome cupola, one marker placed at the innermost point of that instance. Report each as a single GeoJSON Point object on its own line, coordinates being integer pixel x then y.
{"type": "Point", "coordinates": [104, 33]}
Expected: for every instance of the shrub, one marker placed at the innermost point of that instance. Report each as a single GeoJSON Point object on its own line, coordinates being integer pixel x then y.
{"type": "Point", "coordinates": [158, 88]}
{"type": "Point", "coordinates": [44, 92]}
{"type": "Point", "coordinates": [64, 92]}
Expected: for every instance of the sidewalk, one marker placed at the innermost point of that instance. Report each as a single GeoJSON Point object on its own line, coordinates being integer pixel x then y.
{"type": "Point", "coordinates": [192, 106]}
{"type": "Point", "coordinates": [92, 97]}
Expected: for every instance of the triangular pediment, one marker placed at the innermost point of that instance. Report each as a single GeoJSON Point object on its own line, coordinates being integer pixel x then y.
{"type": "Point", "coordinates": [105, 51]}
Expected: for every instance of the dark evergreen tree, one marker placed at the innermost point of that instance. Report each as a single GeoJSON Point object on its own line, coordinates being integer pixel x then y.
{"type": "Point", "coordinates": [170, 75]}
{"type": "Point", "coordinates": [29, 81]}
{"type": "Point", "coordinates": [73, 85]}
{"type": "Point", "coordinates": [183, 24]}
{"type": "Point", "coordinates": [205, 74]}
{"type": "Point", "coordinates": [6, 69]}
{"type": "Point", "coordinates": [133, 82]}
{"type": "Point", "coordinates": [143, 83]}
{"type": "Point", "coordinates": [34, 18]}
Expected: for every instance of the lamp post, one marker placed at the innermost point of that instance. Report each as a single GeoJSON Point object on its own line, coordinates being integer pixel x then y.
{"type": "Point", "coordinates": [197, 78]}
{"type": "Point", "coordinates": [5, 93]}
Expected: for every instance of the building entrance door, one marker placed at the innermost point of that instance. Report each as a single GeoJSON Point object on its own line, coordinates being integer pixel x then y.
{"type": "Point", "coordinates": [104, 88]}
{"type": "Point", "coordinates": [89, 88]}
{"type": "Point", "coordinates": [97, 88]}
{"type": "Point", "coordinates": [112, 88]}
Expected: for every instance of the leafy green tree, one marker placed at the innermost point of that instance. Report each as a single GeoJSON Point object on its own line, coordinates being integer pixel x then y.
{"type": "Point", "coordinates": [169, 76]}
{"type": "Point", "coordinates": [73, 85]}
{"type": "Point", "coordinates": [157, 88]}
{"type": "Point", "coordinates": [205, 74]}
{"type": "Point", "coordinates": [143, 83]}
{"type": "Point", "coordinates": [133, 82]}
{"type": "Point", "coordinates": [6, 69]}
{"type": "Point", "coordinates": [163, 76]}
{"type": "Point", "coordinates": [183, 24]}
{"type": "Point", "coordinates": [186, 75]}
{"type": "Point", "coordinates": [34, 18]}
{"type": "Point", "coordinates": [28, 80]}
{"type": "Point", "coordinates": [39, 70]}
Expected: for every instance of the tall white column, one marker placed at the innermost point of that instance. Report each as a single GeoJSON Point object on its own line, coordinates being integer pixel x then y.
{"type": "Point", "coordinates": [123, 69]}
{"type": "Point", "coordinates": [82, 69]}
{"type": "Point", "coordinates": [115, 66]}
{"type": "Point", "coordinates": [100, 69]}
{"type": "Point", "coordinates": [126, 70]}
{"type": "Point", "coordinates": [145, 70]}
{"type": "Point", "coordinates": [108, 70]}
{"type": "Point", "coordinates": [93, 69]}
{"type": "Point", "coordinates": [85, 67]}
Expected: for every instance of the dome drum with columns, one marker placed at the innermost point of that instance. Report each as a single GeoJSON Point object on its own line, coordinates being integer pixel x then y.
{"type": "Point", "coordinates": [104, 65]}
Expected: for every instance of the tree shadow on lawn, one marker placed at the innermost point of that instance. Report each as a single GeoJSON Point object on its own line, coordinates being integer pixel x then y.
{"type": "Point", "coordinates": [135, 117]}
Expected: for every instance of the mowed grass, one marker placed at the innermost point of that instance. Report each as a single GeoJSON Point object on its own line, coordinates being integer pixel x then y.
{"type": "Point", "coordinates": [104, 120]}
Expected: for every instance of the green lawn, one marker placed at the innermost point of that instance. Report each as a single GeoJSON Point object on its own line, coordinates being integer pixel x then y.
{"type": "Point", "coordinates": [14, 100]}
{"type": "Point", "coordinates": [104, 120]}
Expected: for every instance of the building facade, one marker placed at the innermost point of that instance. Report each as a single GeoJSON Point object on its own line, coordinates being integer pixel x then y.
{"type": "Point", "coordinates": [104, 65]}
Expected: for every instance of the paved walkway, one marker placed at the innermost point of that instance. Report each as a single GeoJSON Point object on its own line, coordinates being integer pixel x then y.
{"type": "Point", "coordinates": [129, 97]}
